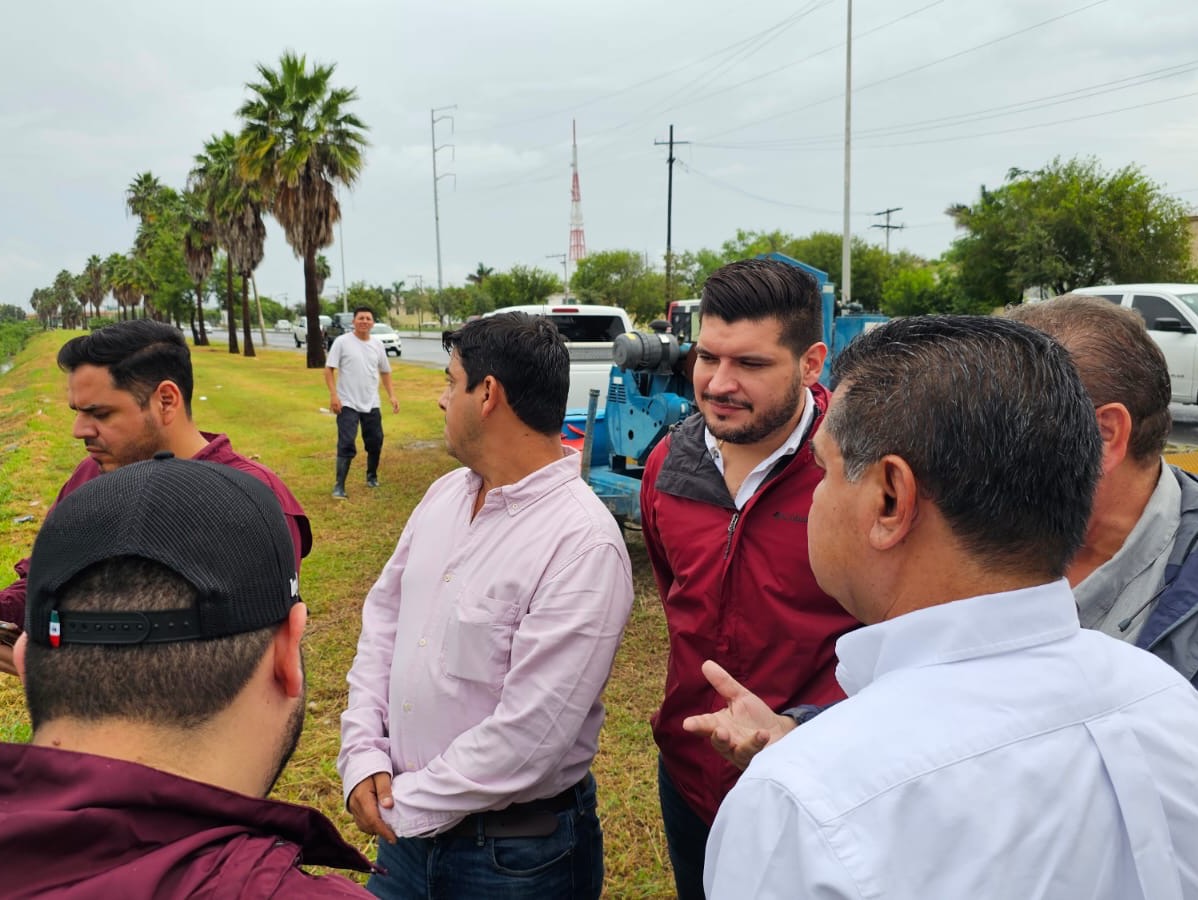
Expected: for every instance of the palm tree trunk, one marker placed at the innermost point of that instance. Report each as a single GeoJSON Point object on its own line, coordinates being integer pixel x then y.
{"type": "Point", "coordinates": [233, 348]}
{"type": "Point", "coordinates": [258, 304]}
{"type": "Point", "coordinates": [312, 311]}
{"type": "Point", "coordinates": [245, 315]}
{"type": "Point", "coordinates": [202, 340]}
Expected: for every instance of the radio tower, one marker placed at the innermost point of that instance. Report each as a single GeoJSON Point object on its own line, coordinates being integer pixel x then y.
{"type": "Point", "coordinates": [578, 243]}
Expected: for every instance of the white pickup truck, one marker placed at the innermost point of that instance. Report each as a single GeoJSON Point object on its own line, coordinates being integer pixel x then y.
{"type": "Point", "coordinates": [589, 331]}
{"type": "Point", "coordinates": [299, 330]}
{"type": "Point", "coordinates": [1171, 313]}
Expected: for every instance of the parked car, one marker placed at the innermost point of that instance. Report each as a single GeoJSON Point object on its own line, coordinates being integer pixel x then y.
{"type": "Point", "coordinates": [1171, 313]}
{"type": "Point", "coordinates": [589, 330]}
{"type": "Point", "coordinates": [282, 325]}
{"type": "Point", "coordinates": [299, 330]}
{"type": "Point", "coordinates": [389, 337]}
{"type": "Point", "coordinates": [341, 323]}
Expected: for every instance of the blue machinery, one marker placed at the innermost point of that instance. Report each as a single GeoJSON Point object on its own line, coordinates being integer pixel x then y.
{"type": "Point", "coordinates": [650, 391]}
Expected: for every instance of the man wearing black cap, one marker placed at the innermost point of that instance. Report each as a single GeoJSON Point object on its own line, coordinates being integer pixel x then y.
{"type": "Point", "coordinates": [130, 385]}
{"type": "Point", "coordinates": [163, 673]}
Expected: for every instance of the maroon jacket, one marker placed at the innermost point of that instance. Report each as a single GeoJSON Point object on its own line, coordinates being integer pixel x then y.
{"type": "Point", "coordinates": [218, 450]}
{"type": "Point", "coordinates": [74, 825]}
{"type": "Point", "coordinates": [737, 589]}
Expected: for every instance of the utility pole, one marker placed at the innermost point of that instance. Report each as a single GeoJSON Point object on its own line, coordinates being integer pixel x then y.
{"type": "Point", "coordinates": [888, 227]}
{"type": "Point", "coordinates": [578, 241]}
{"type": "Point", "coordinates": [846, 249]}
{"type": "Point", "coordinates": [565, 261]}
{"type": "Point", "coordinates": [669, 214]}
{"type": "Point", "coordinates": [433, 120]}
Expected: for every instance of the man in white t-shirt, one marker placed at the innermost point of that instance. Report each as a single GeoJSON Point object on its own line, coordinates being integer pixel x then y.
{"type": "Point", "coordinates": [355, 365]}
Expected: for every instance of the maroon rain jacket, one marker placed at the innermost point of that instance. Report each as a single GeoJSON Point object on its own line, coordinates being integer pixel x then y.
{"type": "Point", "coordinates": [737, 588]}
{"type": "Point", "coordinates": [74, 825]}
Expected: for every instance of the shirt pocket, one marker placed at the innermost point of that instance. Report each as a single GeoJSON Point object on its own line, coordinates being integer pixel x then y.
{"type": "Point", "coordinates": [478, 640]}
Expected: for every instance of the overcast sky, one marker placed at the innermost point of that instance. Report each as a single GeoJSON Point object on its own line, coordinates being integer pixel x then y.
{"type": "Point", "coordinates": [948, 95]}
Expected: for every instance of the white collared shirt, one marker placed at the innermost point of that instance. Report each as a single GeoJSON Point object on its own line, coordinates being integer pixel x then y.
{"type": "Point", "coordinates": [990, 748]}
{"type": "Point", "coordinates": [754, 479]}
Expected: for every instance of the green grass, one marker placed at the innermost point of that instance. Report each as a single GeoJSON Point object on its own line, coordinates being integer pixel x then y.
{"type": "Point", "coordinates": [271, 408]}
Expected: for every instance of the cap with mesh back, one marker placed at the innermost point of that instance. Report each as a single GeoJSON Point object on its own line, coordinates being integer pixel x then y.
{"type": "Point", "coordinates": [219, 529]}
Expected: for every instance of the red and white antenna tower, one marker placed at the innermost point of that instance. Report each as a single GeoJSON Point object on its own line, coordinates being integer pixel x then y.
{"type": "Point", "coordinates": [578, 243]}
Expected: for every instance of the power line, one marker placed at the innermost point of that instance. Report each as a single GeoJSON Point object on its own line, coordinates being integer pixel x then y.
{"type": "Point", "coordinates": [919, 68]}
{"type": "Point", "coordinates": [1083, 93]}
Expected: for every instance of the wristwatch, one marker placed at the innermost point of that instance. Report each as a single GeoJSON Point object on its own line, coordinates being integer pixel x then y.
{"type": "Point", "coordinates": [803, 713]}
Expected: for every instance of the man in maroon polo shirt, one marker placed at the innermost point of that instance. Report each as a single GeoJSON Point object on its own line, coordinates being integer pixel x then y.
{"type": "Point", "coordinates": [130, 385]}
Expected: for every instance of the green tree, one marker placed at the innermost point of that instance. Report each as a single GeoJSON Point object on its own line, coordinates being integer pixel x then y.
{"type": "Point", "coordinates": [323, 271]}
{"type": "Point", "coordinates": [1066, 225]}
{"type": "Point", "coordinates": [520, 286]}
{"type": "Point", "coordinates": [215, 180]}
{"type": "Point", "coordinates": [298, 143]}
{"type": "Point", "coordinates": [479, 275]}
{"type": "Point", "coordinates": [92, 285]}
{"type": "Point", "coordinates": [199, 248]}
{"type": "Point", "coordinates": [11, 313]}
{"type": "Point", "coordinates": [620, 278]}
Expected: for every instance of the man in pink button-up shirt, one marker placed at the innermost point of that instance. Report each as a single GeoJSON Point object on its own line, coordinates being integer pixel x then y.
{"type": "Point", "coordinates": [474, 708]}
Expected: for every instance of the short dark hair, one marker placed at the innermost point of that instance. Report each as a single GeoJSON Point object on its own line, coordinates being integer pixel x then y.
{"type": "Point", "coordinates": [1117, 359]}
{"type": "Point", "coordinates": [176, 684]}
{"type": "Point", "coordinates": [139, 355]}
{"type": "Point", "coordinates": [525, 354]}
{"type": "Point", "coordinates": [757, 289]}
{"type": "Point", "coordinates": [362, 309]}
{"type": "Point", "coordinates": [992, 418]}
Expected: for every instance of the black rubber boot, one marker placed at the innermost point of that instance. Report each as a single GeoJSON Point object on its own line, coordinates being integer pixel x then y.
{"type": "Point", "coordinates": [342, 470]}
{"type": "Point", "coordinates": [372, 470]}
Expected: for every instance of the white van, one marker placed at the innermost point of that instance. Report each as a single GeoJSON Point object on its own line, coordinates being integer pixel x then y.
{"type": "Point", "coordinates": [589, 330]}
{"type": "Point", "coordinates": [1171, 313]}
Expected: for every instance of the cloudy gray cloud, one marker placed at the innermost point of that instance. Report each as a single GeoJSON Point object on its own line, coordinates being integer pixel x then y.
{"type": "Point", "coordinates": [943, 102]}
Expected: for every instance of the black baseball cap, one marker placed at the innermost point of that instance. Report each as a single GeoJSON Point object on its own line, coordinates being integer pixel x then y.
{"type": "Point", "coordinates": [219, 529]}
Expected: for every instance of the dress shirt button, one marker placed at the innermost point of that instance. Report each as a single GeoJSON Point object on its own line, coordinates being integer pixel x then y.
{"type": "Point", "coordinates": [422, 642]}
{"type": "Point", "coordinates": [515, 507]}
{"type": "Point", "coordinates": [448, 576]}
{"type": "Point", "coordinates": [407, 707]}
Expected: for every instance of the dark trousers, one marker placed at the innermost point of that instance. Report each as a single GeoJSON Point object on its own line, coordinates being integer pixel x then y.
{"type": "Point", "coordinates": [564, 865]}
{"type": "Point", "coordinates": [686, 837]}
{"type": "Point", "coordinates": [347, 432]}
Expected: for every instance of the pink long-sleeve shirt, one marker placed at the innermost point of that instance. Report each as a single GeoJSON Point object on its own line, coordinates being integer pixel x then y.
{"type": "Point", "coordinates": [485, 646]}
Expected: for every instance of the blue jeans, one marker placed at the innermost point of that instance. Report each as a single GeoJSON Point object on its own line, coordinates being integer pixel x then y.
{"type": "Point", "coordinates": [567, 864]}
{"type": "Point", "coordinates": [686, 837]}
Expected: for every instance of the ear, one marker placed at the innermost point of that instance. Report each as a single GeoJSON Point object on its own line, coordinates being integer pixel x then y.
{"type": "Point", "coordinates": [811, 363]}
{"type": "Point", "coordinates": [1114, 426]}
{"type": "Point", "coordinates": [167, 402]}
{"type": "Point", "coordinates": [898, 502]}
{"type": "Point", "coordinates": [492, 395]}
{"type": "Point", "coordinates": [18, 655]}
{"type": "Point", "coordinates": [289, 663]}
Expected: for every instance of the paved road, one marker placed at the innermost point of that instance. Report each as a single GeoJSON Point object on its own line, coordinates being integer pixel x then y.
{"type": "Point", "coordinates": [425, 351]}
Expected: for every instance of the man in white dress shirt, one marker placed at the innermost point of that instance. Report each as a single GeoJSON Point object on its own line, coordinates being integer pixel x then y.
{"type": "Point", "coordinates": [989, 747]}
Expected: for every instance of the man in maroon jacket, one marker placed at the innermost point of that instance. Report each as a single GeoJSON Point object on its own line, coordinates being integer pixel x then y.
{"type": "Point", "coordinates": [163, 673]}
{"type": "Point", "coordinates": [130, 385]}
{"type": "Point", "coordinates": [724, 507]}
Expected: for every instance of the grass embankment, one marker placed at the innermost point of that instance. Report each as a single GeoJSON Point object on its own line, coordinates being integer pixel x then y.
{"type": "Point", "coordinates": [270, 407]}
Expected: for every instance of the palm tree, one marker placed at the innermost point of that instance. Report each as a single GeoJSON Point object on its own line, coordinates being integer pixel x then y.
{"type": "Point", "coordinates": [323, 271]}
{"type": "Point", "coordinates": [298, 144]}
{"type": "Point", "coordinates": [212, 179]}
{"type": "Point", "coordinates": [91, 285]}
{"type": "Point", "coordinates": [479, 275]}
{"type": "Point", "coordinates": [142, 195]}
{"type": "Point", "coordinates": [199, 242]}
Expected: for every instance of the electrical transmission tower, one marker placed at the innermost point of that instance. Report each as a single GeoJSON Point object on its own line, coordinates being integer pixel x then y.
{"type": "Point", "coordinates": [578, 241]}
{"type": "Point", "coordinates": [888, 227]}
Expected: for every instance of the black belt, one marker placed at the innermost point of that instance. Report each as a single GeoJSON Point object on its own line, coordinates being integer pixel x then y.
{"type": "Point", "coordinates": [536, 818]}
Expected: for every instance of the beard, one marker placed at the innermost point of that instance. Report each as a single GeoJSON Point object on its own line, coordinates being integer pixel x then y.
{"type": "Point", "coordinates": [761, 425]}
{"type": "Point", "coordinates": [290, 737]}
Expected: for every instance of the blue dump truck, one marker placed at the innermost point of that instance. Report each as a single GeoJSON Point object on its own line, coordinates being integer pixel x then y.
{"type": "Point", "coordinates": [649, 390]}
